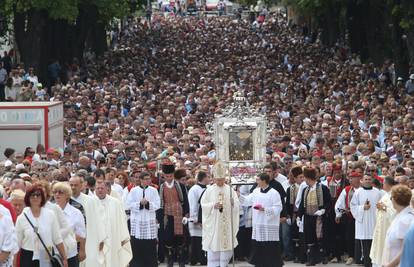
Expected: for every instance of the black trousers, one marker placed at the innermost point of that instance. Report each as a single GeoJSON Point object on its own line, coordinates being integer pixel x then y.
{"type": "Point", "coordinates": [2, 93]}
{"type": "Point", "coordinates": [349, 226]}
{"type": "Point", "coordinates": [197, 255]}
{"type": "Point", "coordinates": [357, 252]}
{"type": "Point", "coordinates": [73, 262]}
{"type": "Point", "coordinates": [26, 259]}
{"type": "Point", "coordinates": [174, 244]}
{"type": "Point", "coordinates": [144, 252]}
{"type": "Point", "coordinates": [366, 249]}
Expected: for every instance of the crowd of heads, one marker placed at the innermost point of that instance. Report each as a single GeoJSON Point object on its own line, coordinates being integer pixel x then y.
{"type": "Point", "coordinates": [151, 96]}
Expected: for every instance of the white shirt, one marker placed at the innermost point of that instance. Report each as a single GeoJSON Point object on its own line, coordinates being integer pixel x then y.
{"type": "Point", "coordinates": [396, 234]}
{"type": "Point", "coordinates": [281, 179]}
{"type": "Point", "coordinates": [265, 223]}
{"type": "Point", "coordinates": [302, 187]}
{"type": "Point", "coordinates": [8, 239]}
{"type": "Point", "coordinates": [193, 200]}
{"type": "Point", "coordinates": [76, 220]}
{"type": "Point", "coordinates": [76, 223]}
{"type": "Point", "coordinates": [118, 189]}
{"type": "Point", "coordinates": [48, 228]}
{"type": "Point", "coordinates": [143, 221]}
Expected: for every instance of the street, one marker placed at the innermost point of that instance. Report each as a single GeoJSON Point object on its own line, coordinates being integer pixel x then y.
{"type": "Point", "coordinates": [287, 264]}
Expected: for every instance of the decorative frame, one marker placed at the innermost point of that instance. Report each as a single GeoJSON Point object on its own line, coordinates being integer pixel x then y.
{"type": "Point", "coordinates": [238, 122]}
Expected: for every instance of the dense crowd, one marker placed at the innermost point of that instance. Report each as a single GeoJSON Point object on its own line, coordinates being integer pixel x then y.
{"type": "Point", "coordinates": [144, 106]}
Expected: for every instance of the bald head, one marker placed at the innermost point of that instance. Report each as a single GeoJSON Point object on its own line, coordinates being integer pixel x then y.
{"type": "Point", "coordinates": [76, 184]}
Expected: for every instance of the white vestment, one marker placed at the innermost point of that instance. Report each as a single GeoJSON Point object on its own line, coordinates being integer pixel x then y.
{"type": "Point", "coordinates": [219, 228]}
{"type": "Point", "coordinates": [117, 245]}
{"type": "Point", "coordinates": [265, 223]}
{"type": "Point", "coordinates": [383, 222]}
{"type": "Point", "coordinates": [365, 219]}
{"type": "Point", "coordinates": [143, 221]}
{"type": "Point", "coordinates": [193, 200]}
{"type": "Point", "coordinates": [95, 232]}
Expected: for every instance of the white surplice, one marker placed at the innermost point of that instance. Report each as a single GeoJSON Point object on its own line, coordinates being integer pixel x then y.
{"type": "Point", "coordinates": [117, 249]}
{"type": "Point", "coordinates": [143, 221]}
{"type": "Point", "coordinates": [95, 232]}
{"type": "Point", "coordinates": [365, 219]}
{"type": "Point", "coordinates": [265, 223]}
{"type": "Point", "coordinates": [193, 199]}
{"type": "Point", "coordinates": [217, 226]}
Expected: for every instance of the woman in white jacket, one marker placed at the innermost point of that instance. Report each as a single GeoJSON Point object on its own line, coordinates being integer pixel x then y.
{"type": "Point", "coordinates": [34, 219]}
{"type": "Point", "coordinates": [62, 194]}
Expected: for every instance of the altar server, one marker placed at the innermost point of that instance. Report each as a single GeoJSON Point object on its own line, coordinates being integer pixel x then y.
{"type": "Point", "coordinates": [363, 208]}
{"type": "Point", "coordinates": [143, 201]}
{"type": "Point", "coordinates": [267, 206]}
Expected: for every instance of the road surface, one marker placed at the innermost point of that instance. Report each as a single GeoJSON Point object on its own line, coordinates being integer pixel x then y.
{"type": "Point", "coordinates": [287, 264]}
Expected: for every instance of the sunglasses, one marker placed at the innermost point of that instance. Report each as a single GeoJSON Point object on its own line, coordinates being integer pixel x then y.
{"type": "Point", "coordinates": [35, 195]}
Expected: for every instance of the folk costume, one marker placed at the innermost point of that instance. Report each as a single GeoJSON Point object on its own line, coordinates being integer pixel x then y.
{"type": "Point", "coordinates": [173, 206]}
{"type": "Point", "coordinates": [343, 212]}
{"type": "Point", "coordinates": [335, 232]}
{"type": "Point", "coordinates": [315, 201]}
{"type": "Point", "coordinates": [292, 212]}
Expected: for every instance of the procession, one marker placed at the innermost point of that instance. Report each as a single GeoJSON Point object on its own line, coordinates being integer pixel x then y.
{"type": "Point", "coordinates": [207, 141]}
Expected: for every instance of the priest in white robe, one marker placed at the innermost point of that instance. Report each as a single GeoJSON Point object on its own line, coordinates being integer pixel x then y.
{"type": "Point", "coordinates": [117, 248]}
{"type": "Point", "coordinates": [363, 208]}
{"type": "Point", "coordinates": [267, 206]}
{"type": "Point", "coordinates": [220, 208]}
{"type": "Point", "coordinates": [95, 232]}
{"type": "Point", "coordinates": [385, 215]}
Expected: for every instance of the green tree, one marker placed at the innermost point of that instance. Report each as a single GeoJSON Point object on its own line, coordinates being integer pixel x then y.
{"type": "Point", "coordinates": [375, 29]}
{"type": "Point", "coordinates": [47, 30]}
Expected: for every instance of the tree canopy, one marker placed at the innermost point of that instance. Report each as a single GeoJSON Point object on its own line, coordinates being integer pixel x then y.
{"type": "Point", "coordinates": [375, 29]}
{"type": "Point", "coordinates": [47, 30]}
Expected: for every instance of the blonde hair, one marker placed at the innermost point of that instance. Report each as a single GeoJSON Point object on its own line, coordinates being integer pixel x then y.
{"type": "Point", "coordinates": [17, 194]}
{"type": "Point", "coordinates": [64, 187]}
